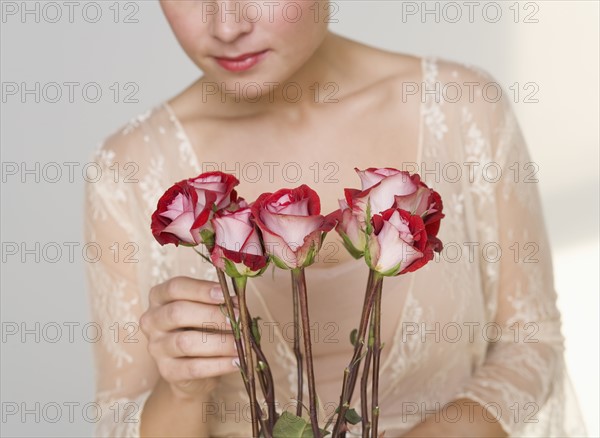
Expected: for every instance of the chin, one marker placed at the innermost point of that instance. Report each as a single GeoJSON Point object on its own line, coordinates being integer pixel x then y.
{"type": "Point", "coordinates": [239, 90]}
{"type": "Point", "coordinates": [270, 78]}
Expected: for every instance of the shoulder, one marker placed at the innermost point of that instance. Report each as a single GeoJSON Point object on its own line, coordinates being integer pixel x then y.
{"type": "Point", "coordinates": [124, 160]}
{"type": "Point", "coordinates": [406, 77]}
{"type": "Point", "coordinates": [454, 82]}
{"type": "Point", "coordinates": [448, 70]}
{"type": "Point", "coordinates": [385, 73]}
{"type": "Point", "coordinates": [128, 140]}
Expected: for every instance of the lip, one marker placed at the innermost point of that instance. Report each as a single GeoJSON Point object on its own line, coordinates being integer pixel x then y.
{"type": "Point", "coordinates": [242, 62]}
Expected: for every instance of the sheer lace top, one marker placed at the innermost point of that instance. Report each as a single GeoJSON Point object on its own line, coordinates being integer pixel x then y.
{"type": "Point", "coordinates": [478, 322]}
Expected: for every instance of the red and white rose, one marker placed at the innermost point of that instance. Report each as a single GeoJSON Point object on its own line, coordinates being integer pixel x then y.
{"type": "Point", "coordinates": [398, 243]}
{"type": "Point", "coordinates": [393, 221]}
{"type": "Point", "coordinates": [351, 230]}
{"type": "Point", "coordinates": [379, 189]}
{"type": "Point", "coordinates": [384, 189]}
{"type": "Point", "coordinates": [427, 203]}
{"type": "Point", "coordinates": [178, 212]}
{"type": "Point", "coordinates": [183, 213]}
{"type": "Point", "coordinates": [222, 185]}
{"type": "Point", "coordinates": [237, 249]}
{"type": "Point", "coordinates": [292, 226]}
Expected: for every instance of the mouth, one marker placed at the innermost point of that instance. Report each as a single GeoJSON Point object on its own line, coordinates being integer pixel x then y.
{"type": "Point", "coordinates": [242, 62]}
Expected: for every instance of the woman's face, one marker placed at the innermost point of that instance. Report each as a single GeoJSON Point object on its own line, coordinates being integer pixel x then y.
{"type": "Point", "coordinates": [237, 43]}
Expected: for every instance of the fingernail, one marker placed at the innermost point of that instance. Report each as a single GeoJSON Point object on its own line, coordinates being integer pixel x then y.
{"type": "Point", "coordinates": [216, 293]}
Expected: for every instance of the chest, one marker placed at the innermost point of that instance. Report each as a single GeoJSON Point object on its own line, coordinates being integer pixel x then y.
{"type": "Point", "coordinates": [320, 150]}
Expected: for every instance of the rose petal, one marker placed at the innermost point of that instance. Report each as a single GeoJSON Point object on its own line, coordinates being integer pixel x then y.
{"type": "Point", "coordinates": [292, 229]}
{"type": "Point", "coordinates": [181, 227]}
{"type": "Point", "coordinates": [393, 250]}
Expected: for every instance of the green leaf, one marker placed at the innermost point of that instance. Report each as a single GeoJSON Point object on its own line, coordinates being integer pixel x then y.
{"type": "Point", "coordinates": [369, 227]}
{"type": "Point", "coordinates": [231, 269]}
{"type": "Point", "coordinates": [323, 235]}
{"type": "Point", "coordinates": [310, 256]}
{"type": "Point", "coordinates": [260, 272]}
{"type": "Point", "coordinates": [279, 263]}
{"type": "Point", "coordinates": [393, 271]}
{"type": "Point", "coordinates": [353, 336]}
{"type": "Point", "coordinates": [256, 330]}
{"type": "Point", "coordinates": [352, 416]}
{"type": "Point", "coordinates": [368, 259]}
{"type": "Point", "coordinates": [354, 252]}
{"type": "Point", "coordinates": [208, 238]}
{"type": "Point", "coordinates": [291, 426]}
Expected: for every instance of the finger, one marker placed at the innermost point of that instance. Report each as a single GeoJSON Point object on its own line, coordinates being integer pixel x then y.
{"type": "Point", "coordinates": [186, 288]}
{"type": "Point", "coordinates": [183, 369]}
{"type": "Point", "coordinates": [194, 343]}
{"type": "Point", "coordinates": [188, 314]}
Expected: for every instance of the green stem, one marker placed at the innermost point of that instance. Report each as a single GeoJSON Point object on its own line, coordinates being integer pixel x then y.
{"type": "Point", "coordinates": [353, 367]}
{"type": "Point", "coordinates": [297, 349]}
{"type": "Point", "coordinates": [266, 382]}
{"type": "Point", "coordinates": [299, 278]}
{"type": "Point", "coordinates": [238, 341]}
{"type": "Point", "coordinates": [376, 358]}
{"type": "Point", "coordinates": [367, 304]}
{"type": "Point", "coordinates": [240, 283]}
{"type": "Point", "coordinates": [204, 256]}
{"type": "Point", "coordinates": [364, 409]}
{"type": "Point", "coordinates": [235, 327]}
{"type": "Point", "coordinates": [344, 381]}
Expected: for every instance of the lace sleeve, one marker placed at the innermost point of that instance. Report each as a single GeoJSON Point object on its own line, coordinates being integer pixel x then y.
{"type": "Point", "coordinates": [125, 371]}
{"type": "Point", "coordinates": [523, 380]}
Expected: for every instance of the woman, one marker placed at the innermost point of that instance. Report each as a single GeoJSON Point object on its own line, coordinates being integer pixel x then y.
{"type": "Point", "coordinates": [283, 101]}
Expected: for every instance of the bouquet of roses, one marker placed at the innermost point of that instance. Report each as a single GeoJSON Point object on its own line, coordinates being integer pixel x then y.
{"type": "Point", "coordinates": [392, 222]}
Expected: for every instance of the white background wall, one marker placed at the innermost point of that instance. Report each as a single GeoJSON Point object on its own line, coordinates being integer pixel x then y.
{"type": "Point", "coordinates": [559, 53]}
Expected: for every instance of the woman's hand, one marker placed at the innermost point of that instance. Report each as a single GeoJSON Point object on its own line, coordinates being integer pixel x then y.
{"type": "Point", "coordinates": [188, 334]}
{"type": "Point", "coordinates": [471, 421]}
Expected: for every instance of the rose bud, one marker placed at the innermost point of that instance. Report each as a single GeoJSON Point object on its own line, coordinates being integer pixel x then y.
{"type": "Point", "coordinates": [237, 247]}
{"type": "Point", "coordinates": [178, 213]}
{"type": "Point", "coordinates": [350, 230]}
{"type": "Point", "coordinates": [291, 224]}
{"type": "Point", "coordinates": [398, 243]}
{"type": "Point", "coordinates": [379, 188]}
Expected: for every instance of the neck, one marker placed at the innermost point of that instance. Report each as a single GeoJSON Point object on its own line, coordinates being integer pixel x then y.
{"type": "Point", "coordinates": [320, 79]}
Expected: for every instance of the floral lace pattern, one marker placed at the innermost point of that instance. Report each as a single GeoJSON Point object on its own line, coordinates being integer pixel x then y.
{"type": "Point", "coordinates": [524, 383]}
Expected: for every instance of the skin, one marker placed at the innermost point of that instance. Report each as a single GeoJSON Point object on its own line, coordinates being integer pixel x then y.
{"type": "Point", "coordinates": [188, 360]}
{"type": "Point", "coordinates": [360, 90]}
